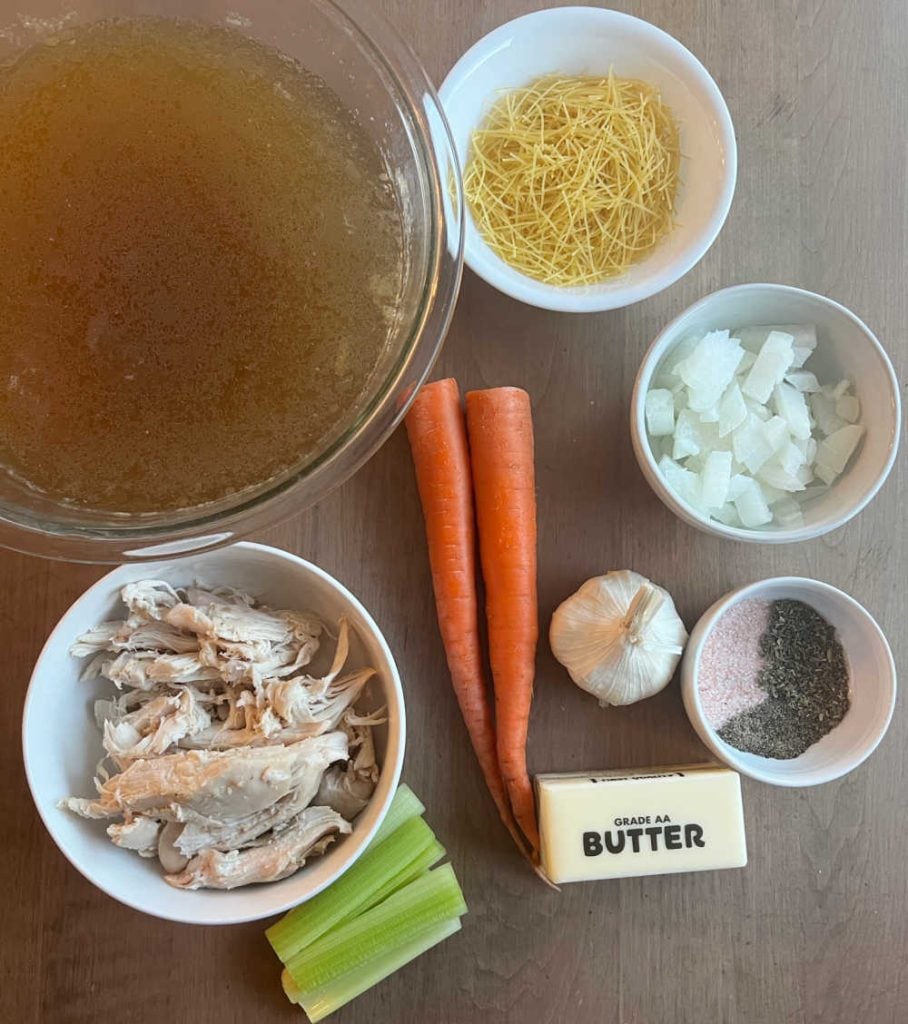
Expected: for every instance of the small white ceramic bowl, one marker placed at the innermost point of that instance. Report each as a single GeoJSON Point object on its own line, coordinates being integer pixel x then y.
{"type": "Point", "coordinates": [62, 744]}
{"type": "Point", "coordinates": [873, 686]}
{"type": "Point", "coordinates": [591, 41]}
{"type": "Point", "coordinates": [846, 347]}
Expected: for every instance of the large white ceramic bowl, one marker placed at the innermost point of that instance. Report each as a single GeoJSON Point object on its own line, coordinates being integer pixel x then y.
{"type": "Point", "coordinates": [62, 745]}
{"type": "Point", "coordinates": [846, 347]}
{"type": "Point", "coordinates": [873, 686]}
{"type": "Point", "coordinates": [592, 41]}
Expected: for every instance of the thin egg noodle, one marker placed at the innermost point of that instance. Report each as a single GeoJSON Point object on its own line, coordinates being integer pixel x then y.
{"type": "Point", "coordinates": [573, 180]}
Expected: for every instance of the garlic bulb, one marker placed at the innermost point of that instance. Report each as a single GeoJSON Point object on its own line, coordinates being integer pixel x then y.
{"type": "Point", "coordinates": [619, 637]}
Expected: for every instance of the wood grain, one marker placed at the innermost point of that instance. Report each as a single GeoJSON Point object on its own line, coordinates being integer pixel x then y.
{"type": "Point", "coordinates": [815, 929]}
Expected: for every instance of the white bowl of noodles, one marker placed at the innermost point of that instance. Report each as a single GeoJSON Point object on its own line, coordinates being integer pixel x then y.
{"type": "Point", "coordinates": [588, 41]}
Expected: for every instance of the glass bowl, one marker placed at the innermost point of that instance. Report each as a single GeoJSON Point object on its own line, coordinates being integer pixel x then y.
{"type": "Point", "coordinates": [374, 73]}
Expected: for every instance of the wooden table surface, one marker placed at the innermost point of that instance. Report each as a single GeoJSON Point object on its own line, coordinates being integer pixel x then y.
{"type": "Point", "coordinates": [815, 929]}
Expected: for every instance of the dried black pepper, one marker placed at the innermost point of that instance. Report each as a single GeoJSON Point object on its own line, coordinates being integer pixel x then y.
{"type": "Point", "coordinates": [805, 674]}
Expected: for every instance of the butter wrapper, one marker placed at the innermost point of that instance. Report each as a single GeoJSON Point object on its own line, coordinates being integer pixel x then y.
{"type": "Point", "coordinates": [655, 821]}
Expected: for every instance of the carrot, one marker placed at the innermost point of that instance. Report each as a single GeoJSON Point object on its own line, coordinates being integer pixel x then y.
{"type": "Point", "coordinates": [438, 440]}
{"type": "Point", "coordinates": [500, 430]}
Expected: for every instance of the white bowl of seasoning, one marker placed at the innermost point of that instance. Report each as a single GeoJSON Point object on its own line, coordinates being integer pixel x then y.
{"type": "Point", "coordinates": [717, 683]}
{"type": "Point", "coordinates": [62, 744]}
{"type": "Point", "coordinates": [846, 348]}
{"type": "Point", "coordinates": [592, 41]}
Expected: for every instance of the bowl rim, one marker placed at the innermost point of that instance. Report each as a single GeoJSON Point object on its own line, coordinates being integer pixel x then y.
{"type": "Point", "coordinates": [736, 759]}
{"type": "Point", "coordinates": [579, 298]}
{"type": "Point", "coordinates": [656, 352]}
{"type": "Point", "coordinates": [390, 769]}
{"type": "Point", "coordinates": [154, 536]}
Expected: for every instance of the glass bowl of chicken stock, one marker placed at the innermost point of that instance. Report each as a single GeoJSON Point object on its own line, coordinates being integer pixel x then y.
{"type": "Point", "coordinates": [375, 76]}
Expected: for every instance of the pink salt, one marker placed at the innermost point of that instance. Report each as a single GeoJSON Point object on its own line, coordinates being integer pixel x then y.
{"type": "Point", "coordinates": [730, 662]}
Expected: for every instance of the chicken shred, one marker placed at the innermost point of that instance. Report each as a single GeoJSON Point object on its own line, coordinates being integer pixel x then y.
{"type": "Point", "coordinates": [281, 857]}
{"type": "Point", "coordinates": [139, 834]}
{"type": "Point", "coordinates": [220, 736]}
{"type": "Point", "coordinates": [154, 727]}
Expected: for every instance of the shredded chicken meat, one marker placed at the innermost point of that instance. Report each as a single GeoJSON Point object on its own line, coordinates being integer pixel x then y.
{"type": "Point", "coordinates": [225, 755]}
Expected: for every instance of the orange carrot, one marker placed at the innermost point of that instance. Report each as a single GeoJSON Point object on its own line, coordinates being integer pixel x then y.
{"type": "Point", "coordinates": [438, 439]}
{"type": "Point", "coordinates": [500, 430]}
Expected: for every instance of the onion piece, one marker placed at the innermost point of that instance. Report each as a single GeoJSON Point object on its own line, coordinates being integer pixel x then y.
{"type": "Point", "coordinates": [732, 410]}
{"type": "Point", "coordinates": [848, 408]}
{"type": "Point", "coordinates": [659, 409]}
{"type": "Point", "coordinates": [792, 407]}
{"type": "Point", "coordinates": [837, 449]}
{"type": "Point", "coordinates": [715, 478]}
{"type": "Point", "coordinates": [773, 362]}
{"type": "Point", "coordinates": [752, 506]}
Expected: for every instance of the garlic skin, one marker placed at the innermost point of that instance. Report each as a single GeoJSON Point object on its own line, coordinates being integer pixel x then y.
{"type": "Point", "coordinates": [619, 637]}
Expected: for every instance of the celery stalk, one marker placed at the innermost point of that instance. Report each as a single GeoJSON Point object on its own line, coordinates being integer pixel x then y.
{"type": "Point", "coordinates": [289, 986]}
{"type": "Point", "coordinates": [354, 891]}
{"type": "Point", "coordinates": [433, 898]}
{"type": "Point", "coordinates": [331, 996]}
{"type": "Point", "coordinates": [420, 864]}
{"type": "Point", "coordinates": [404, 806]}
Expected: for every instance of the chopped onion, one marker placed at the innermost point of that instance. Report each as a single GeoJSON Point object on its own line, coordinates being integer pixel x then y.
{"type": "Point", "coordinates": [728, 515]}
{"type": "Point", "coordinates": [826, 474]}
{"type": "Point", "coordinates": [715, 478]}
{"type": "Point", "coordinates": [848, 408]}
{"type": "Point", "coordinates": [773, 362]}
{"type": "Point", "coordinates": [790, 405]}
{"type": "Point", "coordinates": [779, 478]}
{"type": "Point", "coordinates": [802, 380]}
{"type": "Point", "coordinates": [660, 412]}
{"type": "Point", "coordinates": [837, 449]}
{"type": "Point", "coordinates": [752, 506]}
{"type": "Point", "coordinates": [790, 458]}
{"type": "Point", "coordinates": [751, 446]}
{"type": "Point", "coordinates": [737, 486]}
{"type": "Point", "coordinates": [823, 409]}
{"type": "Point", "coordinates": [800, 355]}
{"type": "Point", "coordinates": [682, 481]}
{"type": "Point", "coordinates": [776, 432]}
{"type": "Point", "coordinates": [709, 369]}
{"type": "Point", "coordinates": [742, 432]}
{"type": "Point", "coordinates": [732, 410]}
{"type": "Point", "coordinates": [692, 435]}
{"type": "Point", "coordinates": [747, 361]}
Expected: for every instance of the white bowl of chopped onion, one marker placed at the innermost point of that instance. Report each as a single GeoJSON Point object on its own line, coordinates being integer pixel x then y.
{"type": "Point", "coordinates": [62, 744]}
{"type": "Point", "coordinates": [589, 42]}
{"type": "Point", "coordinates": [766, 413]}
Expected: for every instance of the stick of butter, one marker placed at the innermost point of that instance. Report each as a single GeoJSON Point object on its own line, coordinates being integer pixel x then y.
{"type": "Point", "coordinates": [654, 821]}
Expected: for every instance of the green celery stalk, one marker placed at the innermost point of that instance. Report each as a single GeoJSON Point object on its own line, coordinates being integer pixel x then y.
{"type": "Point", "coordinates": [431, 899]}
{"type": "Point", "coordinates": [419, 865]}
{"type": "Point", "coordinates": [321, 1001]}
{"type": "Point", "coordinates": [290, 989]}
{"type": "Point", "coordinates": [404, 806]}
{"type": "Point", "coordinates": [380, 864]}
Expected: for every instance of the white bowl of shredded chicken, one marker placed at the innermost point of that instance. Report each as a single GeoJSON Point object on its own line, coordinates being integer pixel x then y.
{"type": "Point", "coordinates": [214, 739]}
